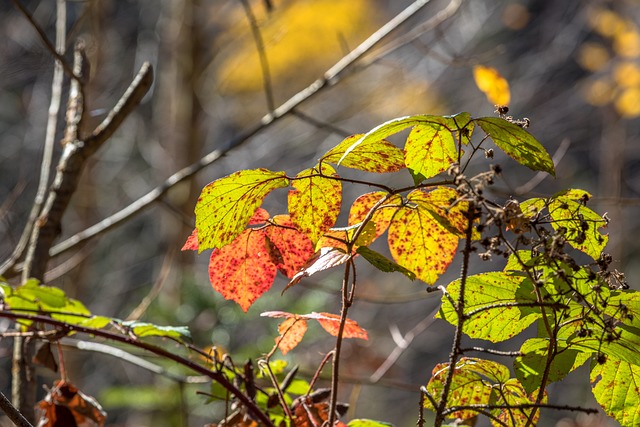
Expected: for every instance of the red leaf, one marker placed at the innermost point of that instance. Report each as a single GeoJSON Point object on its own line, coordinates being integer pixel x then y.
{"type": "Point", "coordinates": [293, 247]}
{"type": "Point", "coordinates": [243, 270]}
{"type": "Point", "coordinates": [383, 214]}
{"type": "Point", "coordinates": [291, 331]}
{"type": "Point", "coordinates": [331, 323]}
{"type": "Point", "coordinates": [192, 242]}
{"type": "Point", "coordinates": [260, 217]}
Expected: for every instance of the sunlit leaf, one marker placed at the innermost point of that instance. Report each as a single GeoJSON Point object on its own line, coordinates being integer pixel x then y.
{"type": "Point", "coordinates": [314, 203]}
{"type": "Point", "coordinates": [430, 149]}
{"type": "Point", "coordinates": [363, 422]}
{"type": "Point", "coordinates": [419, 241]}
{"type": "Point", "coordinates": [377, 156]}
{"type": "Point", "coordinates": [518, 144]}
{"type": "Point", "coordinates": [616, 387]}
{"type": "Point", "coordinates": [226, 205]}
{"type": "Point", "coordinates": [192, 242]}
{"type": "Point", "coordinates": [466, 387]}
{"type": "Point", "coordinates": [532, 362]}
{"type": "Point", "coordinates": [243, 270]}
{"type": "Point", "coordinates": [383, 263]}
{"type": "Point", "coordinates": [500, 306]}
{"type": "Point", "coordinates": [331, 324]}
{"type": "Point", "coordinates": [322, 260]}
{"type": "Point", "coordinates": [511, 395]}
{"type": "Point", "coordinates": [294, 247]}
{"type": "Point", "coordinates": [291, 331]}
{"type": "Point", "coordinates": [492, 84]}
{"type": "Point", "coordinates": [383, 214]}
{"type": "Point", "coordinates": [143, 329]}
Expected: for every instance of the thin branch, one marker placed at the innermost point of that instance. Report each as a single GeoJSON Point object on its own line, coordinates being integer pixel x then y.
{"type": "Point", "coordinates": [47, 43]}
{"type": "Point", "coordinates": [492, 351]}
{"type": "Point", "coordinates": [320, 124]}
{"type": "Point", "coordinates": [522, 406]}
{"type": "Point", "coordinates": [74, 155]}
{"type": "Point", "coordinates": [403, 345]}
{"type": "Point", "coordinates": [331, 77]}
{"type": "Point", "coordinates": [50, 135]}
{"type": "Point", "coordinates": [10, 411]}
{"type": "Point", "coordinates": [133, 341]}
{"type": "Point", "coordinates": [140, 309]}
{"type": "Point", "coordinates": [262, 54]}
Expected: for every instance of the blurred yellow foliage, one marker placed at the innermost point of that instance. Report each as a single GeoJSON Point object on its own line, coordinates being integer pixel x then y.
{"type": "Point", "coordinates": [618, 79]}
{"type": "Point", "coordinates": [301, 37]}
{"type": "Point", "coordinates": [492, 84]}
{"type": "Point", "coordinates": [593, 56]}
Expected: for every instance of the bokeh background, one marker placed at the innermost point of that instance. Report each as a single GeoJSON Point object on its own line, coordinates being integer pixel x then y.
{"type": "Point", "coordinates": [574, 71]}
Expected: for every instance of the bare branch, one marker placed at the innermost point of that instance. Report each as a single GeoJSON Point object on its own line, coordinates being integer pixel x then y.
{"type": "Point", "coordinates": [331, 77]}
{"type": "Point", "coordinates": [262, 54]}
{"type": "Point", "coordinates": [14, 415]}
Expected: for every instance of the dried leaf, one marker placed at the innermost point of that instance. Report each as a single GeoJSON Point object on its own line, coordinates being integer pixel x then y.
{"type": "Point", "coordinates": [291, 331]}
{"type": "Point", "coordinates": [66, 406]}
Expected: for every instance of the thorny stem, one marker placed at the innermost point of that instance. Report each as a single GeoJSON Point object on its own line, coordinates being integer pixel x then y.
{"type": "Point", "coordinates": [455, 349]}
{"type": "Point", "coordinates": [335, 374]}
{"type": "Point", "coordinates": [131, 340]}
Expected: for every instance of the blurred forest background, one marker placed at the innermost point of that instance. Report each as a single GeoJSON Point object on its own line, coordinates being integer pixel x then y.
{"type": "Point", "coordinates": [574, 71]}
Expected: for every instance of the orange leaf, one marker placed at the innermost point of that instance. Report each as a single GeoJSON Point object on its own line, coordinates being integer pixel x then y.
{"type": "Point", "coordinates": [420, 239]}
{"type": "Point", "coordinates": [292, 249]}
{"type": "Point", "coordinates": [66, 406]}
{"type": "Point", "coordinates": [291, 331]}
{"type": "Point", "coordinates": [492, 84]}
{"type": "Point", "coordinates": [383, 214]}
{"type": "Point", "coordinates": [331, 324]}
{"type": "Point", "coordinates": [243, 270]}
{"type": "Point", "coordinates": [192, 242]}
{"type": "Point", "coordinates": [314, 203]}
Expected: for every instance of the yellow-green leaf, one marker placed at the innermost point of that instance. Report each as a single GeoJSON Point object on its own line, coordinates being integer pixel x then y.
{"type": "Point", "coordinates": [430, 149]}
{"type": "Point", "coordinates": [498, 304]}
{"type": "Point", "coordinates": [372, 155]}
{"type": "Point", "coordinates": [519, 144]}
{"type": "Point", "coordinates": [314, 203]}
{"type": "Point", "coordinates": [226, 205]}
{"type": "Point", "coordinates": [616, 387]}
{"type": "Point", "coordinates": [418, 240]}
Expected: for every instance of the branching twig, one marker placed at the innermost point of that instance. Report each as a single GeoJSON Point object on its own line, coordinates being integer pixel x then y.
{"type": "Point", "coordinates": [331, 77]}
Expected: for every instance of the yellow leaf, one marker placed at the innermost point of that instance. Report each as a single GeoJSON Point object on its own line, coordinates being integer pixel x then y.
{"type": "Point", "coordinates": [492, 84]}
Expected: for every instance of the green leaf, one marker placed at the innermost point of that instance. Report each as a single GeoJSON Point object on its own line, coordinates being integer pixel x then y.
{"type": "Point", "coordinates": [511, 395]}
{"type": "Point", "coordinates": [530, 365]}
{"type": "Point", "coordinates": [491, 300]}
{"type": "Point", "coordinates": [226, 205]}
{"type": "Point", "coordinates": [391, 127]}
{"type": "Point", "coordinates": [616, 387]}
{"type": "Point", "coordinates": [372, 155]}
{"type": "Point", "coordinates": [142, 329]}
{"type": "Point", "coordinates": [383, 263]}
{"type": "Point", "coordinates": [517, 143]}
{"type": "Point", "coordinates": [363, 422]}
{"type": "Point", "coordinates": [314, 203]}
{"type": "Point", "coordinates": [95, 322]}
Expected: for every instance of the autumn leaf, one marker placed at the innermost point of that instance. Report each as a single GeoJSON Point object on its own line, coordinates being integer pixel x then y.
{"type": "Point", "coordinates": [377, 156]}
{"type": "Point", "coordinates": [492, 84]}
{"type": "Point", "coordinates": [323, 259]}
{"type": "Point", "coordinates": [226, 205]}
{"type": "Point", "coordinates": [331, 324]}
{"type": "Point", "coordinates": [65, 405]}
{"type": "Point", "coordinates": [192, 242]}
{"type": "Point", "coordinates": [294, 248]}
{"type": "Point", "coordinates": [314, 203]}
{"type": "Point", "coordinates": [291, 331]}
{"type": "Point", "coordinates": [418, 240]}
{"type": "Point", "coordinates": [383, 214]}
{"type": "Point", "coordinates": [243, 270]}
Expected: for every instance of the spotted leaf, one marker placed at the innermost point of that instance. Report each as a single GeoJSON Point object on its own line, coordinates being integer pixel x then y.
{"type": "Point", "coordinates": [430, 149]}
{"type": "Point", "coordinates": [291, 331]}
{"type": "Point", "coordinates": [314, 203]}
{"type": "Point", "coordinates": [419, 241]}
{"type": "Point", "coordinates": [373, 155]}
{"type": "Point", "coordinates": [293, 248]}
{"type": "Point", "coordinates": [243, 270]}
{"type": "Point", "coordinates": [226, 205]}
